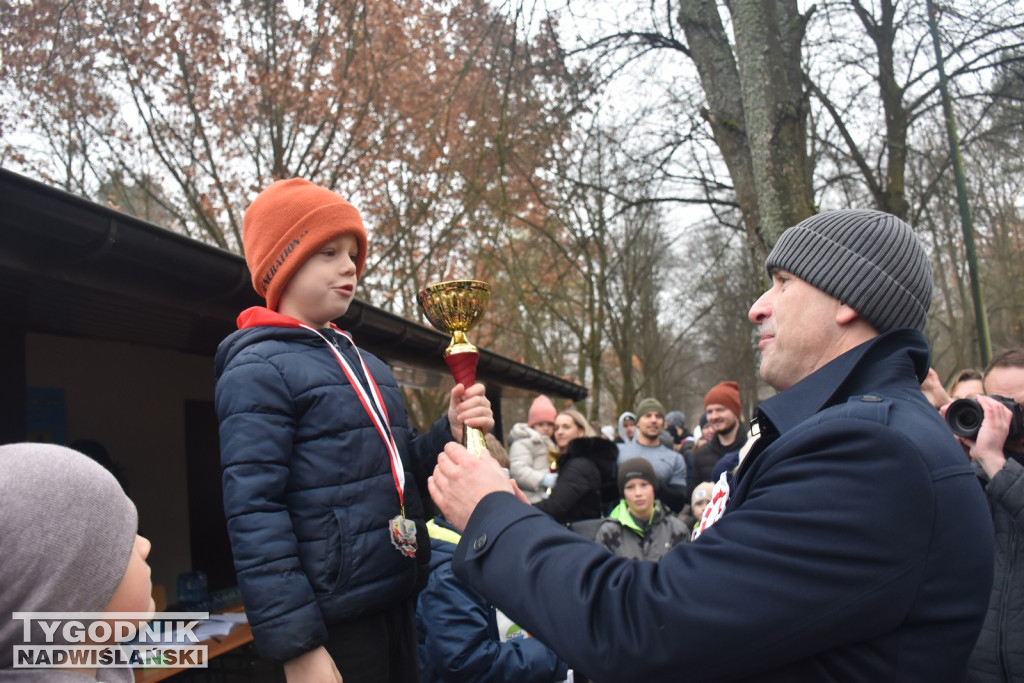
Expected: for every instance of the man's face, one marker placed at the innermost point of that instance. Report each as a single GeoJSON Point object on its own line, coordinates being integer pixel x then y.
{"type": "Point", "coordinates": [651, 423]}
{"type": "Point", "coordinates": [1008, 382]}
{"type": "Point", "coordinates": [799, 330]}
{"type": "Point", "coordinates": [721, 419]}
{"type": "Point", "coordinates": [630, 427]}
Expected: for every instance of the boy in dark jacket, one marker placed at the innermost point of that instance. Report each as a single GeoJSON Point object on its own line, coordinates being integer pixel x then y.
{"type": "Point", "coordinates": [320, 463]}
{"type": "Point", "coordinates": [464, 638]}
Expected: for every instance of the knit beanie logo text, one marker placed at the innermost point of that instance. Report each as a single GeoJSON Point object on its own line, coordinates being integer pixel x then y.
{"type": "Point", "coordinates": [281, 258]}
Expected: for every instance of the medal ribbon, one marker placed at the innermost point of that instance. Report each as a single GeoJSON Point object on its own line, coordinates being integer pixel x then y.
{"type": "Point", "coordinates": [373, 404]}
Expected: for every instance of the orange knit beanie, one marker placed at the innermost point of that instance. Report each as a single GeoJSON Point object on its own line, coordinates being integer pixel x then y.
{"type": "Point", "coordinates": [724, 394]}
{"type": "Point", "coordinates": [286, 224]}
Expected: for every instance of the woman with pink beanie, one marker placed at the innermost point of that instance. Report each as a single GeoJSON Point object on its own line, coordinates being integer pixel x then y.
{"type": "Point", "coordinates": [532, 454]}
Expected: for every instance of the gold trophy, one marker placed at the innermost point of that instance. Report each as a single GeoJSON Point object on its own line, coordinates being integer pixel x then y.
{"type": "Point", "coordinates": [455, 307]}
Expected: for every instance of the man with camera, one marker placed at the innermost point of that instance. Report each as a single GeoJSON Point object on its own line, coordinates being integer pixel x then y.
{"type": "Point", "coordinates": [997, 447]}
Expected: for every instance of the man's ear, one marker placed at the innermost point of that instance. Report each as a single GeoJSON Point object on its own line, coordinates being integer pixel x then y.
{"type": "Point", "coordinates": [846, 315]}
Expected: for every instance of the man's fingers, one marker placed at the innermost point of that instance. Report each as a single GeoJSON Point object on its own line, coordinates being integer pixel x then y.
{"type": "Point", "coordinates": [519, 493]}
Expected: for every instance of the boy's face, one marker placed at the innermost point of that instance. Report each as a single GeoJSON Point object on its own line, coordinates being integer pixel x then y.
{"type": "Point", "coordinates": [323, 287]}
{"type": "Point", "coordinates": [135, 592]}
{"type": "Point", "coordinates": [639, 495]}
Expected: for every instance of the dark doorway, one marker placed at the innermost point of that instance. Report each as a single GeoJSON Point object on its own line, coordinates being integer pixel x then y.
{"type": "Point", "coordinates": [208, 533]}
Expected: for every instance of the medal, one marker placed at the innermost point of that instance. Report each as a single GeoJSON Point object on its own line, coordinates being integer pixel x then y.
{"type": "Point", "coordinates": [403, 535]}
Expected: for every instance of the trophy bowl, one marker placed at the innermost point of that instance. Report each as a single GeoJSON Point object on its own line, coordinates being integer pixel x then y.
{"type": "Point", "coordinates": [455, 306]}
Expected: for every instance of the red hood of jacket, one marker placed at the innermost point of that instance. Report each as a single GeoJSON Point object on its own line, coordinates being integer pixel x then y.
{"type": "Point", "coordinates": [261, 316]}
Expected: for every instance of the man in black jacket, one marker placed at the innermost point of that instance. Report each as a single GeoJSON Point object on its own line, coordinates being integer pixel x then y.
{"type": "Point", "coordinates": [854, 543]}
{"type": "Point", "coordinates": [722, 407]}
{"type": "Point", "coordinates": [999, 653]}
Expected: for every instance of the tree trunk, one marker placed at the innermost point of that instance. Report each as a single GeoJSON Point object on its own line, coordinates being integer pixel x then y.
{"type": "Point", "coordinates": [776, 111]}
{"type": "Point", "coordinates": [756, 108]}
{"type": "Point", "coordinates": [713, 57]}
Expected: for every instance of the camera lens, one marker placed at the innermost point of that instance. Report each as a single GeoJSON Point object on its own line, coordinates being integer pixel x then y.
{"type": "Point", "coordinates": [964, 417]}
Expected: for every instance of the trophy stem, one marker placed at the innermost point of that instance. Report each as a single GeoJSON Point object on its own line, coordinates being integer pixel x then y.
{"type": "Point", "coordinates": [463, 366]}
{"type": "Point", "coordinates": [473, 440]}
{"type": "Point", "coordinates": [462, 360]}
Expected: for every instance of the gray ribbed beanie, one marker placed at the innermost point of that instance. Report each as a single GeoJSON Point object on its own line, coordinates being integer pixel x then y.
{"type": "Point", "coordinates": [870, 260]}
{"type": "Point", "coordinates": [66, 535]}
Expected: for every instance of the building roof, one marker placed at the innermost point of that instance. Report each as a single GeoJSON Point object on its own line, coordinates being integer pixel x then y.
{"type": "Point", "coordinates": [69, 266]}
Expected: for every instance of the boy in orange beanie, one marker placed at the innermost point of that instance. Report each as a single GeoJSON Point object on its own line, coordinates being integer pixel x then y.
{"type": "Point", "coordinates": [324, 514]}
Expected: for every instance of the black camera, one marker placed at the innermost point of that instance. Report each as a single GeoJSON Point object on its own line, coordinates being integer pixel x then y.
{"type": "Point", "coordinates": [964, 417]}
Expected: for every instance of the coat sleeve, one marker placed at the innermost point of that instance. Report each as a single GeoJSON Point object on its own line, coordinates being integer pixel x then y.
{"type": "Point", "coordinates": [579, 478]}
{"type": "Point", "coordinates": [810, 558]}
{"type": "Point", "coordinates": [455, 623]}
{"type": "Point", "coordinates": [256, 431]}
{"type": "Point", "coordinates": [426, 447]}
{"type": "Point", "coordinates": [520, 465]}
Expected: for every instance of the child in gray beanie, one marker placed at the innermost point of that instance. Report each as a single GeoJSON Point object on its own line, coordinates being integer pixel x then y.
{"type": "Point", "coordinates": [68, 542]}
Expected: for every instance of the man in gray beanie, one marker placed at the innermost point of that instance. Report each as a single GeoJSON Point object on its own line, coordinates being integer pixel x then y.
{"type": "Point", "coordinates": [853, 542]}
{"type": "Point", "coordinates": [68, 543]}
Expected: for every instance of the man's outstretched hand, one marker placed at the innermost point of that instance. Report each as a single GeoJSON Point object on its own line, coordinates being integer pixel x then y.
{"type": "Point", "coordinates": [461, 480]}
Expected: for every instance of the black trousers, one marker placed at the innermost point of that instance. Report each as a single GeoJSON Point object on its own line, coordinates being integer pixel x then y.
{"type": "Point", "coordinates": [377, 648]}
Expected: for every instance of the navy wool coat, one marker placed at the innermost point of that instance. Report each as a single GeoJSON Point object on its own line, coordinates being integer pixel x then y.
{"type": "Point", "coordinates": [855, 546]}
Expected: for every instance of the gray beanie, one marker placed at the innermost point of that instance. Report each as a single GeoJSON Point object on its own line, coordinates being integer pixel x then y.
{"type": "Point", "coordinates": [870, 260]}
{"type": "Point", "coordinates": [67, 531]}
{"type": "Point", "coordinates": [676, 418]}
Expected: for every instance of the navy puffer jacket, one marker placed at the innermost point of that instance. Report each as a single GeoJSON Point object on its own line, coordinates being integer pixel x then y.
{"type": "Point", "coordinates": [308, 485]}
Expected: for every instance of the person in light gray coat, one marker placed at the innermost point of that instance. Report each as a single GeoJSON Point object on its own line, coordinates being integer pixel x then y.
{"type": "Point", "coordinates": [532, 453]}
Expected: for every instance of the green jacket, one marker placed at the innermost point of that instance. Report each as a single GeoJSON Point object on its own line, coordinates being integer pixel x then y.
{"type": "Point", "coordinates": [625, 537]}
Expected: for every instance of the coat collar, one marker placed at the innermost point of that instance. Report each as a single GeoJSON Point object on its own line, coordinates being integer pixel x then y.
{"type": "Point", "coordinates": [900, 354]}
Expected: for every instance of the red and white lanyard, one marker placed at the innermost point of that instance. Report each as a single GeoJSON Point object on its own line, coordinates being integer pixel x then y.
{"type": "Point", "coordinates": [373, 404]}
